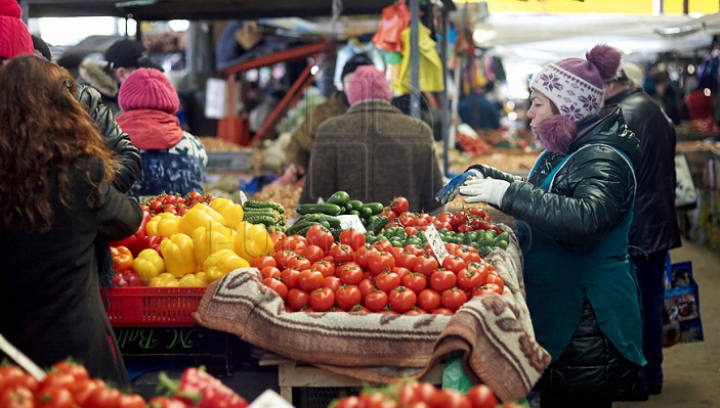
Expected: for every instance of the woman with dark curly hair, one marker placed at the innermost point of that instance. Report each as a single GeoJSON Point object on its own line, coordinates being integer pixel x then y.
{"type": "Point", "coordinates": [57, 199]}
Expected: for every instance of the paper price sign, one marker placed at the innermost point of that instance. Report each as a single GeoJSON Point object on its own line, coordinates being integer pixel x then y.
{"type": "Point", "coordinates": [436, 243]}
{"type": "Point", "coordinates": [351, 222]}
{"type": "Point", "coordinates": [243, 198]}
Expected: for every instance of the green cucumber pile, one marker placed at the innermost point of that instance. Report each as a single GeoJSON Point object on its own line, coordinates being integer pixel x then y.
{"type": "Point", "coordinates": [340, 204]}
{"type": "Point", "coordinates": [268, 213]}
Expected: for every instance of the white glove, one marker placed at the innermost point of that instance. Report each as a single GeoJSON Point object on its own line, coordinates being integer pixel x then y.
{"type": "Point", "coordinates": [488, 190]}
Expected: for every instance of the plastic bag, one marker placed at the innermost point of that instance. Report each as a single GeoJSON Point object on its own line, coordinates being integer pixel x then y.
{"type": "Point", "coordinates": [681, 308]}
{"type": "Point", "coordinates": [454, 377]}
{"type": "Point", "coordinates": [394, 19]}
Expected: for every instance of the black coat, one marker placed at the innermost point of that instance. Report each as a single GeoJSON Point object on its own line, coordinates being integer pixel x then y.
{"type": "Point", "coordinates": [654, 226]}
{"type": "Point", "coordinates": [119, 141]}
{"type": "Point", "coordinates": [49, 291]}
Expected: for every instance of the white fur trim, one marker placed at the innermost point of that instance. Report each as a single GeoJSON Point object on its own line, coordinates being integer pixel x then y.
{"type": "Point", "coordinates": [93, 72]}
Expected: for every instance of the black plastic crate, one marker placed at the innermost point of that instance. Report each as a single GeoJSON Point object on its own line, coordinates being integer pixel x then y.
{"type": "Point", "coordinates": [320, 397]}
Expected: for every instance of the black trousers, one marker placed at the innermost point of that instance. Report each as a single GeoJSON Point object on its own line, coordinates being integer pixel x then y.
{"type": "Point", "coordinates": [550, 399]}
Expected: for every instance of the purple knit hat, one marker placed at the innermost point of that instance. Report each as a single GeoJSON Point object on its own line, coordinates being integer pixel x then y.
{"type": "Point", "coordinates": [148, 88]}
{"type": "Point", "coordinates": [368, 83]}
{"type": "Point", "coordinates": [576, 87]}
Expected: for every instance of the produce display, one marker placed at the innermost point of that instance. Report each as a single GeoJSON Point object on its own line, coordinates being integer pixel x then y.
{"type": "Point", "coordinates": [285, 195]}
{"type": "Point", "coordinates": [407, 394]}
{"type": "Point", "coordinates": [214, 144]}
{"type": "Point", "coordinates": [68, 385]}
{"type": "Point", "coordinates": [319, 266]}
{"type": "Point", "coordinates": [194, 240]}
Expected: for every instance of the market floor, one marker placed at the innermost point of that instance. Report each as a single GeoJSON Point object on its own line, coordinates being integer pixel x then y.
{"type": "Point", "coordinates": [692, 371]}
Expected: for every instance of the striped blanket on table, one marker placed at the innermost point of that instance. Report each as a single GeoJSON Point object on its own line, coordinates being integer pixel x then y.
{"type": "Point", "coordinates": [494, 333]}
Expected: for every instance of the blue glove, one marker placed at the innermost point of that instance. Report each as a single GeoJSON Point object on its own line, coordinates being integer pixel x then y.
{"type": "Point", "coordinates": [451, 189]}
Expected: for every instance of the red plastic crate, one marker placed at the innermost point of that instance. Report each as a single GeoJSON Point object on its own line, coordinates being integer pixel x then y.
{"type": "Point", "coordinates": [152, 307]}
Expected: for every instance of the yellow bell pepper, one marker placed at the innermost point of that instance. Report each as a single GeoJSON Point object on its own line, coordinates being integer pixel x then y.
{"type": "Point", "coordinates": [148, 264]}
{"type": "Point", "coordinates": [163, 225]}
{"type": "Point", "coordinates": [164, 280]}
{"type": "Point", "coordinates": [210, 240]}
{"type": "Point", "coordinates": [231, 212]}
{"type": "Point", "coordinates": [192, 280]}
{"type": "Point", "coordinates": [203, 276]}
{"type": "Point", "coordinates": [199, 216]}
{"type": "Point", "coordinates": [179, 254]}
{"type": "Point", "coordinates": [252, 241]}
{"type": "Point", "coordinates": [221, 263]}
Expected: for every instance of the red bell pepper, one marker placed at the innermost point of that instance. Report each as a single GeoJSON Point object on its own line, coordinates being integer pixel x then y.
{"type": "Point", "coordinates": [199, 389]}
{"type": "Point", "coordinates": [152, 242]}
{"type": "Point", "coordinates": [134, 242]}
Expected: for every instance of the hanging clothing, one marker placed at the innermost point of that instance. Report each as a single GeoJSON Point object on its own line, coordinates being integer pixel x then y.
{"type": "Point", "coordinates": [431, 70]}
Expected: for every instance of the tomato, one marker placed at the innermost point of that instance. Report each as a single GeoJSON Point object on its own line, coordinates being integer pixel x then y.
{"type": "Point", "coordinates": [132, 401]}
{"type": "Point", "coordinates": [17, 397]}
{"type": "Point", "coordinates": [481, 396]}
{"type": "Point", "coordinates": [415, 311]}
{"type": "Point", "coordinates": [342, 253]}
{"type": "Point", "coordinates": [331, 282]}
{"type": "Point", "coordinates": [58, 380]}
{"type": "Point", "coordinates": [406, 220]}
{"type": "Point", "coordinates": [263, 261]}
{"type": "Point", "coordinates": [353, 239]}
{"type": "Point", "coordinates": [493, 278]}
{"type": "Point", "coordinates": [453, 263]}
{"type": "Point", "coordinates": [270, 272]}
{"type": "Point", "coordinates": [439, 225]}
{"type": "Point", "coordinates": [410, 231]}
{"type": "Point", "coordinates": [83, 389]}
{"type": "Point", "coordinates": [324, 267]}
{"type": "Point", "coordinates": [458, 220]}
{"type": "Point", "coordinates": [425, 392]}
{"type": "Point", "coordinates": [78, 372]}
{"type": "Point", "coordinates": [362, 254]}
{"type": "Point", "coordinates": [294, 243]}
{"type": "Point", "coordinates": [487, 289]}
{"type": "Point", "coordinates": [277, 285]}
{"type": "Point", "coordinates": [348, 402]}
{"type": "Point", "coordinates": [14, 377]}
{"type": "Point", "coordinates": [298, 263]}
{"type": "Point", "coordinates": [390, 214]}
{"type": "Point", "coordinates": [387, 281]}
{"type": "Point", "coordinates": [359, 309]}
{"type": "Point", "coordinates": [429, 300]}
{"type": "Point", "coordinates": [376, 300]}
{"type": "Point", "coordinates": [372, 400]}
{"type": "Point", "coordinates": [421, 222]}
{"type": "Point", "coordinates": [318, 235]}
{"type": "Point", "coordinates": [470, 279]}
{"type": "Point", "coordinates": [401, 272]}
{"type": "Point", "coordinates": [55, 397]}
{"type": "Point", "coordinates": [449, 399]}
{"type": "Point", "coordinates": [297, 299]}
{"type": "Point", "coordinates": [321, 300]}
{"type": "Point", "coordinates": [399, 205]}
{"type": "Point", "coordinates": [406, 259]}
{"type": "Point", "coordinates": [351, 274]}
{"type": "Point", "coordinates": [290, 278]}
{"type": "Point", "coordinates": [467, 254]}
{"type": "Point", "coordinates": [103, 397]}
{"type": "Point", "coordinates": [414, 249]}
{"type": "Point", "coordinates": [348, 296]}
{"type": "Point", "coordinates": [443, 280]}
{"type": "Point", "coordinates": [283, 257]}
{"type": "Point", "coordinates": [415, 281]}
{"type": "Point", "coordinates": [313, 253]}
{"type": "Point", "coordinates": [425, 264]}
{"type": "Point", "coordinates": [402, 299]}
{"type": "Point", "coordinates": [380, 262]}
{"type": "Point", "coordinates": [310, 280]}
{"type": "Point", "coordinates": [453, 298]}
{"type": "Point", "coordinates": [442, 311]}
{"type": "Point", "coordinates": [366, 286]}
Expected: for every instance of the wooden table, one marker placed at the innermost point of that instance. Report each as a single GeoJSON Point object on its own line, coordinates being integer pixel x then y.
{"type": "Point", "coordinates": [294, 374]}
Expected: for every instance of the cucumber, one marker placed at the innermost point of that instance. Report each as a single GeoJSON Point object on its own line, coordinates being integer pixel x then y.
{"type": "Point", "coordinates": [260, 219]}
{"type": "Point", "coordinates": [334, 222]}
{"type": "Point", "coordinates": [265, 204]}
{"type": "Point", "coordinates": [340, 198]}
{"type": "Point", "coordinates": [357, 205]}
{"type": "Point", "coordinates": [376, 208]}
{"type": "Point", "coordinates": [377, 225]}
{"type": "Point", "coordinates": [329, 209]}
{"type": "Point", "coordinates": [366, 212]}
{"type": "Point", "coordinates": [299, 226]}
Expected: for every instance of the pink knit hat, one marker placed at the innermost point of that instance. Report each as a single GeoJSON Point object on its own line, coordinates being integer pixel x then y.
{"type": "Point", "coordinates": [575, 85]}
{"type": "Point", "coordinates": [368, 83]}
{"type": "Point", "coordinates": [148, 88]}
{"type": "Point", "coordinates": [14, 36]}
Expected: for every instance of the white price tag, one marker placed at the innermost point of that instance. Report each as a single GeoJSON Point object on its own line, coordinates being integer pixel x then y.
{"type": "Point", "coordinates": [320, 200]}
{"type": "Point", "coordinates": [436, 243]}
{"type": "Point", "coordinates": [243, 198]}
{"type": "Point", "coordinates": [270, 399]}
{"type": "Point", "coordinates": [351, 222]}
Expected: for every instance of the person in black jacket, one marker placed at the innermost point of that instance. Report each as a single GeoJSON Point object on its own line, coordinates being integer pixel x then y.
{"type": "Point", "coordinates": [574, 214]}
{"type": "Point", "coordinates": [57, 203]}
{"type": "Point", "coordinates": [654, 229]}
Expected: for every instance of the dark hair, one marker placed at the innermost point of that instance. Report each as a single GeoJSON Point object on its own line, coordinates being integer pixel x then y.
{"type": "Point", "coordinates": [42, 126]}
{"type": "Point", "coordinates": [660, 77]}
{"type": "Point", "coordinates": [357, 60]}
